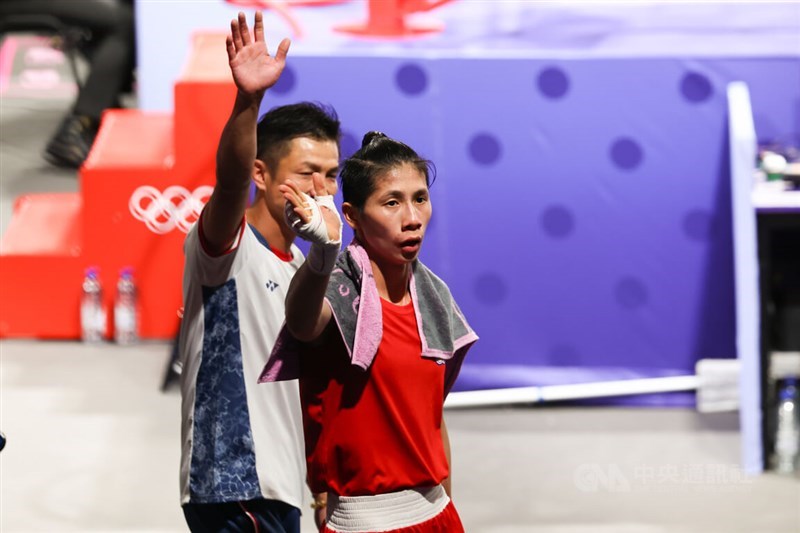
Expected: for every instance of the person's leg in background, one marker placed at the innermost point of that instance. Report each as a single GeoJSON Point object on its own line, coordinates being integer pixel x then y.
{"type": "Point", "coordinates": [111, 54]}
{"type": "Point", "coordinates": [111, 59]}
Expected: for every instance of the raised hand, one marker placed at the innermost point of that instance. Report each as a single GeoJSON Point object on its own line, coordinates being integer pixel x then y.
{"type": "Point", "coordinates": [254, 70]}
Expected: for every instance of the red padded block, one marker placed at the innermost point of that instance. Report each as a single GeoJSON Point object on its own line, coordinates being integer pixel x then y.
{"type": "Point", "coordinates": [40, 268]}
{"type": "Point", "coordinates": [204, 96]}
{"type": "Point", "coordinates": [141, 221]}
{"type": "Point", "coordinates": [40, 296]}
{"type": "Point", "coordinates": [44, 224]}
{"type": "Point", "coordinates": [125, 182]}
{"type": "Point", "coordinates": [132, 139]}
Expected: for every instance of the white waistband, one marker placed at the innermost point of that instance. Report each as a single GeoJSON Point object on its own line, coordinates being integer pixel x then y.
{"type": "Point", "coordinates": [384, 512]}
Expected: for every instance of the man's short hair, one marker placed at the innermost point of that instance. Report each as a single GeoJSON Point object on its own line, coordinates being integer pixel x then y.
{"type": "Point", "coordinates": [281, 124]}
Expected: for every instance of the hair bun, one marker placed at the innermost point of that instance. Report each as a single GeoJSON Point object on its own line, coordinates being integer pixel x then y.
{"type": "Point", "coordinates": [371, 137]}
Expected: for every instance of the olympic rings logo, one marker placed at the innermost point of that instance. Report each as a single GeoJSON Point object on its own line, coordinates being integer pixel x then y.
{"type": "Point", "coordinates": [175, 208]}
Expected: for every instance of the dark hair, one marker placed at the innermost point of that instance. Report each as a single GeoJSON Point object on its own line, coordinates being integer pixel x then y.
{"type": "Point", "coordinates": [377, 155]}
{"type": "Point", "coordinates": [282, 124]}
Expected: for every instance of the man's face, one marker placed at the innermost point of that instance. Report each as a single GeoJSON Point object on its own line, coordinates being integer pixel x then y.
{"type": "Point", "coordinates": [305, 158]}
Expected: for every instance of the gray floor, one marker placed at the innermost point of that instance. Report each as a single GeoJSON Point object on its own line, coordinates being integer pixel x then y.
{"type": "Point", "coordinates": [93, 445]}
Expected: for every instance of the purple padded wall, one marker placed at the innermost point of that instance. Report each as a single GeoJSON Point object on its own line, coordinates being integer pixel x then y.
{"type": "Point", "coordinates": [582, 207]}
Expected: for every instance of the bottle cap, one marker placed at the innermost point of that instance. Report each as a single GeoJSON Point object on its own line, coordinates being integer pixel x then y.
{"type": "Point", "coordinates": [786, 393]}
{"type": "Point", "coordinates": [788, 389]}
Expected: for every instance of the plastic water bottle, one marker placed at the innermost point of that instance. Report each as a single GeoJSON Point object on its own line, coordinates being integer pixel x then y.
{"type": "Point", "coordinates": [787, 433]}
{"type": "Point", "coordinates": [93, 315]}
{"type": "Point", "coordinates": [126, 319]}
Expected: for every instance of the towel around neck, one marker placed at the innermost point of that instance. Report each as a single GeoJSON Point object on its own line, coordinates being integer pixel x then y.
{"type": "Point", "coordinates": [354, 300]}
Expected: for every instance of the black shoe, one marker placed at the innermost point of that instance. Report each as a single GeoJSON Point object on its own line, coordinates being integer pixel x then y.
{"type": "Point", "coordinates": [72, 141]}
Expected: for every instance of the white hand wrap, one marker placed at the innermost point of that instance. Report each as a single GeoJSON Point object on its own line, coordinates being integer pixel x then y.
{"type": "Point", "coordinates": [323, 252]}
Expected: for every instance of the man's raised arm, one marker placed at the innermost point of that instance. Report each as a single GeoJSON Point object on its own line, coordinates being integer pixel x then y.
{"type": "Point", "coordinates": [254, 71]}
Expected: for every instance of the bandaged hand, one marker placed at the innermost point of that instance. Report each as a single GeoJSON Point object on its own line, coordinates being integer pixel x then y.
{"type": "Point", "coordinates": [314, 228]}
{"type": "Point", "coordinates": [316, 220]}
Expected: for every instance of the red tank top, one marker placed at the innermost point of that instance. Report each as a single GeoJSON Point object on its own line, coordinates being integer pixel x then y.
{"type": "Point", "coordinates": [379, 430]}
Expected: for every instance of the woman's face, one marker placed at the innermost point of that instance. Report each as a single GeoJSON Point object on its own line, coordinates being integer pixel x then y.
{"type": "Point", "coordinates": [392, 223]}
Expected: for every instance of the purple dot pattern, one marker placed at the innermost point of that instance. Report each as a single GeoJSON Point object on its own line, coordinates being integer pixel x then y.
{"type": "Point", "coordinates": [490, 289]}
{"type": "Point", "coordinates": [696, 88]}
{"type": "Point", "coordinates": [553, 83]}
{"type": "Point", "coordinates": [286, 82]}
{"type": "Point", "coordinates": [484, 149]}
{"type": "Point", "coordinates": [558, 221]}
{"type": "Point", "coordinates": [611, 164]}
{"type": "Point", "coordinates": [698, 225]}
{"type": "Point", "coordinates": [630, 293]}
{"type": "Point", "coordinates": [626, 154]}
{"type": "Point", "coordinates": [411, 79]}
